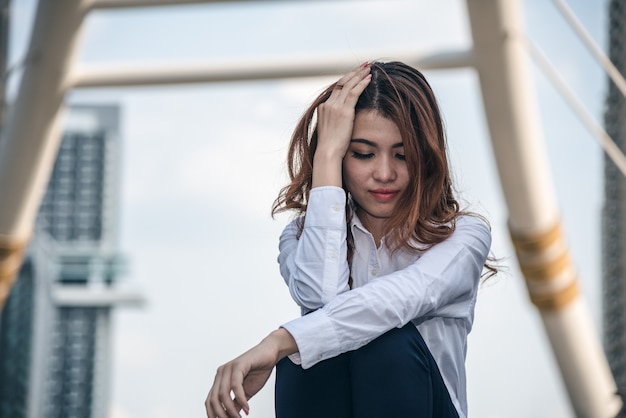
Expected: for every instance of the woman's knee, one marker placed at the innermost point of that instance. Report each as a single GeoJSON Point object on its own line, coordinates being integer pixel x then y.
{"type": "Point", "coordinates": [321, 391]}
{"type": "Point", "coordinates": [394, 349]}
{"type": "Point", "coordinates": [398, 366]}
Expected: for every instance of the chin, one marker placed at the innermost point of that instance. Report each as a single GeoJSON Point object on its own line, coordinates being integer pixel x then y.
{"type": "Point", "coordinates": [378, 214]}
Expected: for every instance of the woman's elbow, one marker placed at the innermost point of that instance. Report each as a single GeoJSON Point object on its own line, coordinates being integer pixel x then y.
{"type": "Point", "coordinates": [307, 298]}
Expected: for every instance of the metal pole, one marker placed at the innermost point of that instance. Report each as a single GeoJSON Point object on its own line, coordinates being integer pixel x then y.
{"type": "Point", "coordinates": [250, 70]}
{"type": "Point", "coordinates": [4, 54]}
{"type": "Point", "coordinates": [30, 140]}
{"type": "Point", "coordinates": [594, 49]}
{"type": "Point", "coordinates": [124, 4]}
{"type": "Point", "coordinates": [9, 256]}
{"type": "Point", "coordinates": [610, 147]}
{"type": "Point", "coordinates": [534, 221]}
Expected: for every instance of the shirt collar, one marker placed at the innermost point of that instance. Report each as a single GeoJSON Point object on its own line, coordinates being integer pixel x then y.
{"type": "Point", "coordinates": [360, 232]}
{"type": "Point", "coordinates": [355, 222]}
{"type": "Point", "coordinates": [357, 225]}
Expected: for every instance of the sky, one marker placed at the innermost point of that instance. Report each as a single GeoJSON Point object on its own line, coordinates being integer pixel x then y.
{"type": "Point", "coordinates": [202, 164]}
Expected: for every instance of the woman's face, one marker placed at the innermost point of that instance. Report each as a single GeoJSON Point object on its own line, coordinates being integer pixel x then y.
{"type": "Point", "coordinates": [374, 168]}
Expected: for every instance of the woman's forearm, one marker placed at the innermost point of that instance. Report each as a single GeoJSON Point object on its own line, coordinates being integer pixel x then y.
{"type": "Point", "coordinates": [326, 169]}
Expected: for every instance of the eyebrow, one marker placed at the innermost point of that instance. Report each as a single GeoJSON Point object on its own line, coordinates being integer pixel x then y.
{"type": "Point", "coordinates": [374, 144]}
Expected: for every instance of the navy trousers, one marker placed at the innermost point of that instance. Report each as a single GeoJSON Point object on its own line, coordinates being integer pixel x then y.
{"type": "Point", "coordinates": [393, 376]}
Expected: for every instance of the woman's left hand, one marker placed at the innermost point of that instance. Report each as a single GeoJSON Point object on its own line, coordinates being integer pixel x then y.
{"type": "Point", "coordinates": [240, 379]}
{"type": "Point", "coordinates": [335, 121]}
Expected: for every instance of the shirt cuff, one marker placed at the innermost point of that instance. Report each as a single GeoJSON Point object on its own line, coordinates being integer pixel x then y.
{"type": "Point", "coordinates": [326, 207]}
{"type": "Point", "coordinates": [316, 338]}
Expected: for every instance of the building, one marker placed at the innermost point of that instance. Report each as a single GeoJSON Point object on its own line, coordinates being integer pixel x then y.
{"type": "Point", "coordinates": [614, 211]}
{"type": "Point", "coordinates": [55, 326]}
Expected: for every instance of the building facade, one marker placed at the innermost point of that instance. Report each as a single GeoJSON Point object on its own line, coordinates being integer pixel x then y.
{"type": "Point", "coordinates": [614, 210]}
{"type": "Point", "coordinates": [55, 327]}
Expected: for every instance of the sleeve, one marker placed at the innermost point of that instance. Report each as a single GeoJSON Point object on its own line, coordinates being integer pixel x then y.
{"type": "Point", "coordinates": [433, 286]}
{"type": "Point", "coordinates": [315, 266]}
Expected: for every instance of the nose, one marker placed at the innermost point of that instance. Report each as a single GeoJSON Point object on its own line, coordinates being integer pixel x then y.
{"type": "Point", "coordinates": [385, 170]}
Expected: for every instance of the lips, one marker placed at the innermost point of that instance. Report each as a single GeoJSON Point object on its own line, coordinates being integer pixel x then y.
{"type": "Point", "coordinates": [384, 195]}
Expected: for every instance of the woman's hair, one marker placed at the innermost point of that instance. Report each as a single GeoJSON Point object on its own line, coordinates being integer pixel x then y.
{"type": "Point", "coordinates": [427, 210]}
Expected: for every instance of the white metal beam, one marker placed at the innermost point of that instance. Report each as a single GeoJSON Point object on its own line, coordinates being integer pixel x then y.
{"type": "Point", "coordinates": [101, 296]}
{"type": "Point", "coordinates": [124, 4]}
{"type": "Point", "coordinates": [593, 48]}
{"type": "Point", "coordinates": [30, 140]}
{"type": "Point", "coordinates": [249, 70]}
{"type": "Point", "coordinates": [606, 142]}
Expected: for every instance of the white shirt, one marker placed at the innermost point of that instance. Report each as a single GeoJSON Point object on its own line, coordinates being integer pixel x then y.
{"type": "Point", "coordinates": [435, 289]}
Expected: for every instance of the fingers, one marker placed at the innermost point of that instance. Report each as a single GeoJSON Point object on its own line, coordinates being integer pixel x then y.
{"type": "Point", "coordinates": [224, 394]}
{"type": "Point", "coordinates": [213, 405]}
{"type": "Point", "coordinates": [351, 85]}
{"type": "Point", "coordinates": [360, 87]}
{"type": "Point", "coordinates": [347, 90]}
{"type": "Point", "coordinates": [362, 70]}
{"type": "Point", "coordinates": [241, 400]}
{"type": "Point", "coordinates": [335, 120]}
{"type": "Point", "coordinates": [219, 403]}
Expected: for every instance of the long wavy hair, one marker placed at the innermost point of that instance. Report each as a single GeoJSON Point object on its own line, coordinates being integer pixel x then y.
{"type": "Point", "coordinates": [426, 212]}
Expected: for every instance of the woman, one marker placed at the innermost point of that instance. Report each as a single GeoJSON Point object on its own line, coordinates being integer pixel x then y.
{"type": "Point", "coordinates": [384, 264]}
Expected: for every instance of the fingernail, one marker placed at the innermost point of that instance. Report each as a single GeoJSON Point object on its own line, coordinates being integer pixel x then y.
{"type": "Point", "coordinates": [365, 64]}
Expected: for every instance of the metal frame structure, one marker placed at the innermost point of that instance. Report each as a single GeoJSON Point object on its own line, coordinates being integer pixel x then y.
{"type": "Point", "coordinates": [534, 221]}
{"type": "Point", "coordinates": [499, 55]}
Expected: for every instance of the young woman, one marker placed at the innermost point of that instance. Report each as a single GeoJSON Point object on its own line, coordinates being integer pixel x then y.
{"type": "Point", "coordinates": [383, 263]}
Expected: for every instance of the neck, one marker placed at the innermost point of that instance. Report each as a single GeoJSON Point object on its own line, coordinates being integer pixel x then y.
{"type": "Point", "coordinates": [376, 227]}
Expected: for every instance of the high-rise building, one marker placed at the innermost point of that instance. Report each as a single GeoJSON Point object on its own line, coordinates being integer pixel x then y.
{"type": "Point", "coordinates": [614, 212]}
{"type": "Point", "coordinates": [55, 326]}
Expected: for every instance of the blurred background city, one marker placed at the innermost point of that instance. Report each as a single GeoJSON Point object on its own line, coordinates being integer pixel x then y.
{"type": "Point", "coordinates": [156, 133]}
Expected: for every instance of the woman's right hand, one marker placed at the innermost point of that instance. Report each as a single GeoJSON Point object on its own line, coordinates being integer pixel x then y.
{"type": "Point", "coordinates": [240, 379]}
{"type": "Point", "coordinates": [335, 120]}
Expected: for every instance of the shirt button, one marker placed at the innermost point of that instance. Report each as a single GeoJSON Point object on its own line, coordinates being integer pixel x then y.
{"type": "Point", "coordinates": [321, 356]}
{"type": "Point", "coordinates": [374, 272]}
{"type": "Point", "coordinates": [336, 208]}
{"type": "Point", "coordinates": [333, 255]}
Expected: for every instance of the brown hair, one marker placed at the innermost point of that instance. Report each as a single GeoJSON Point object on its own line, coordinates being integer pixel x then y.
{"type": "Point", "coordinates": [427, 211]}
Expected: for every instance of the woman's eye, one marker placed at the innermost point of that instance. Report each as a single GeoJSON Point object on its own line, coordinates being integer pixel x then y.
{"type": "Point", "coordinates": [360, 156]}
{"type": "Point", "coordinates": [401, 157]}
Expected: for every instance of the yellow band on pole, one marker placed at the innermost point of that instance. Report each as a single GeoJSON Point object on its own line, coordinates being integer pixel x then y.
{"type": "Point", "coordinates": [557, 300]}
{"type": "Point", "coordinates": [543, 257]}
{"type": "Point", "coordinates": [528, 243]}
{"type": "Point", "coordinates": [546, 270]}
{"type": "Point", "coordinates": [11, 256]}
